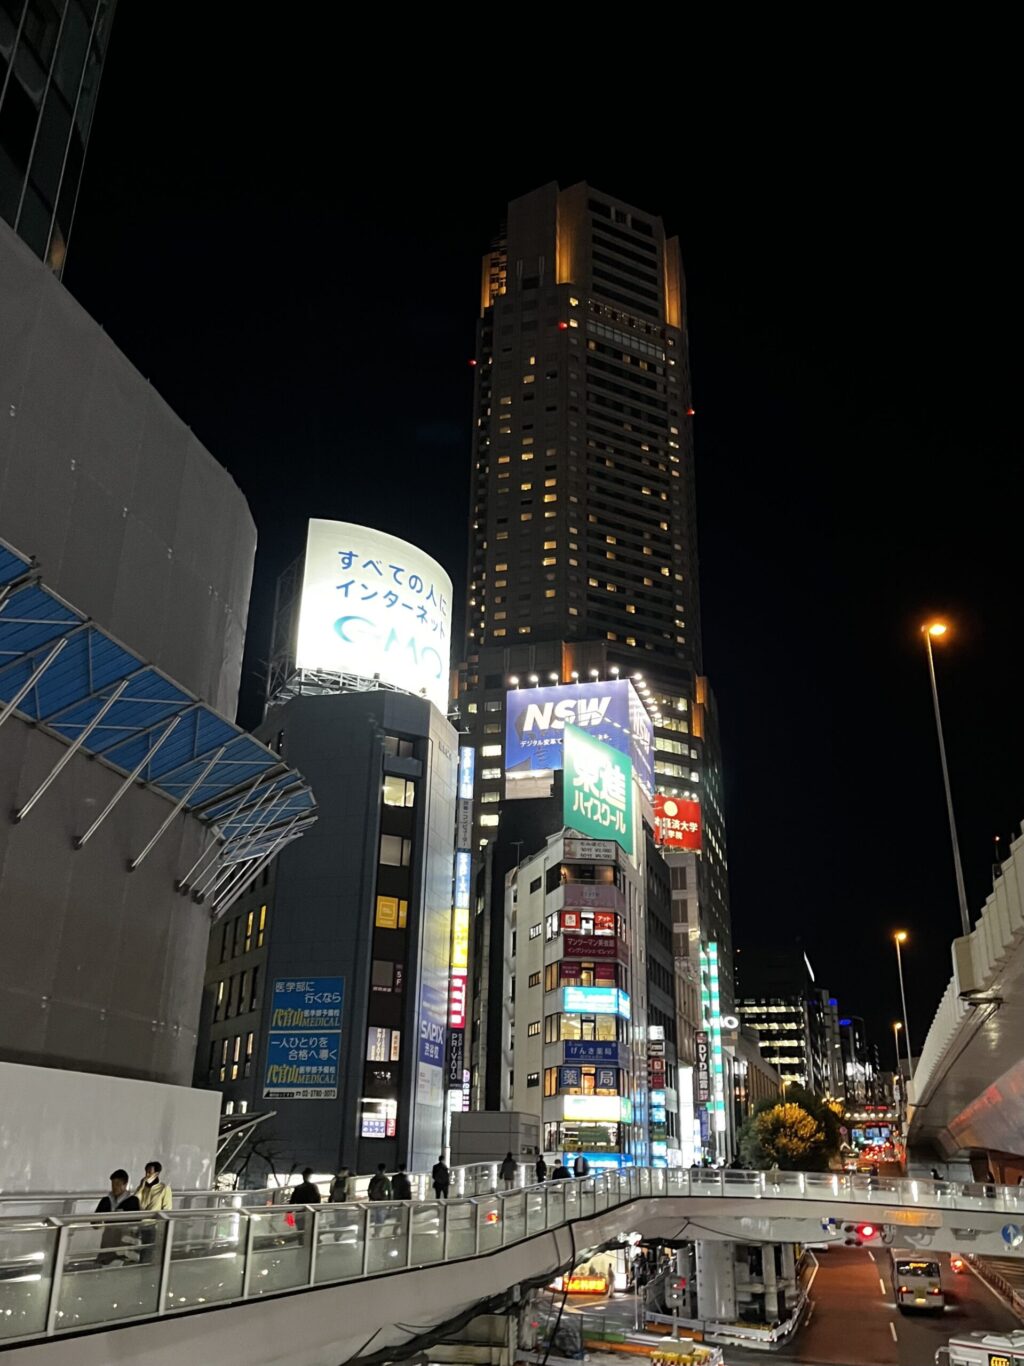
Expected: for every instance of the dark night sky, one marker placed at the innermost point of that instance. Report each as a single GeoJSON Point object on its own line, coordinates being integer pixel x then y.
{"type": "Point", "coordinates": [296, 269]}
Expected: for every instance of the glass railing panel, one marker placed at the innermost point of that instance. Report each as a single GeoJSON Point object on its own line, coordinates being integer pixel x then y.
{"type": "Point", "coordinates": [571, 1190]}
{"type": "Point", "coordinates": [513, 1213]}
{"type": "Point", "coordinates": [556, 1203]}
{"type": "Point", "coordinates": [460, 1234]}
{"type": "Point", "coordinates": [281, 1239]}
{"type": "Point", "coordinates": [388, 1235]}
{"type": "Point", "coordinates": [207, 1258]}
{"type": "Point", "coordinates": [341, 1233]}
{"type": "Point", "coordinates": [587, 1196]}
{"type": "Point", "coordinates": [26, 1266]}
{"type": "Point", "coordinates": [111, 1270]}
{"type": "Point", "coordinates": [427, 1233]}
{"type": "Point", "coordinates": [489, 1217]}
{"type": "Point", "coordinates": [536, 1216]}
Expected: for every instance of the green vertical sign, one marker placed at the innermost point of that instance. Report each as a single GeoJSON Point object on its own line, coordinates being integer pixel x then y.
{"type": "Point", "coordinates": [597, 791]}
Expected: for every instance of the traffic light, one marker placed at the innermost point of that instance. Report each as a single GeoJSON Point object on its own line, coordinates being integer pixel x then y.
{"type": "Point", "coordinates": [675, 1289]}
{"type": "Point", "coordinates": [858, 1235]}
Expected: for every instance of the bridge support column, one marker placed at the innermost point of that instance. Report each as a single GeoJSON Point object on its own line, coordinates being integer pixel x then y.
{"type": "Point", "coordinates": [716, 1280]}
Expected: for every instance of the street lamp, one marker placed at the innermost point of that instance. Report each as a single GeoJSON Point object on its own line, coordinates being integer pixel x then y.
{"type": "Point", "coordinates": [935, 630]}
{"type": "Point", "coordinates": [901, 938]}
{"type": "Point", "coordinates": [896, 1027]}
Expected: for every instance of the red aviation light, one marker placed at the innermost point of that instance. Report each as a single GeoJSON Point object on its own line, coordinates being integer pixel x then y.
{"type": "Point", "coordinates": [563, 327]}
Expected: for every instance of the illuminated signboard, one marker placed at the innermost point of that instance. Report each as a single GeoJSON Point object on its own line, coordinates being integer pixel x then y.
{"type": "Point", "coordinates": [597, 792]}
{"type": "Point", "coordinates": [590, 945]}
{"type": "Point", "coordinates": [457, 1000]}
{"type": "Point", "coordinates": [374, 606]}
{"type": "Point", "coordinates": [581, 1285]}
{"type": "Point", "coordinates": [677, 823]}
{"type": "Point", "coordinates": [536, 720]}
{"type": "Point", "coordinates": [304, 1039]}
{"type": "Point", "coordinates": [597, 1109]}
{"type": "Point", "coordinates": [702, 1072]}
{"type": "Point", "coordinates": [590, 1050]}
{"type": "Point", "coordinates": [595, 1001]}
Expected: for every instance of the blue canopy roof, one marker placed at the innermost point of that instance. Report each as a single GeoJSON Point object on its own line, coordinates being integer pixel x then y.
{"type": "Point", "coordinates": [227, 778]}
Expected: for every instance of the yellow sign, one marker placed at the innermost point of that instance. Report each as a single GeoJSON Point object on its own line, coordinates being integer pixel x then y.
{"type": "Point", "coordinates": [460, 938]}
{"type": "Point", "coordinates": [582, 1285]}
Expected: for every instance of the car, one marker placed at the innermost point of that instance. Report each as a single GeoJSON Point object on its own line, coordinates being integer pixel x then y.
{"type": "Point", "coordinates": [957, 1263]}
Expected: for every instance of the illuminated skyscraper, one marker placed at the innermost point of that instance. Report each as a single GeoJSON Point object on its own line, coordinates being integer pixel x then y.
{"type": "Point", "coordinates": [583, 546]}
{"type": "Point", "coordinates": [51, 60]}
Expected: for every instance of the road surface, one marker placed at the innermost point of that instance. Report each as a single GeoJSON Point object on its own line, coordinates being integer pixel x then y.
{"type": "Point", "coordinates": [855, 1320]}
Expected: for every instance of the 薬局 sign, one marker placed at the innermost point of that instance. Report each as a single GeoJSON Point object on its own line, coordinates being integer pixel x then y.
{"type": "Point", "coordinates": [597, 794]}
{"type": "Point", "coordinates": [374, 606]}
{"type": "Point", "coordinates": [590, 1051]}
{"type": "Point", "coordinates": [677, 823]}
{"type": "Point", "coordinates": [302, 1065]}
{"type": "Point", "coordinates": [536, 720]}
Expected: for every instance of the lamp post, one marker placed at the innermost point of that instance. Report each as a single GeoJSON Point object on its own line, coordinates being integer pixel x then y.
{"type": "Point", "coordinates": [896, 1027]}
{"type": "Point", "coordinates": [901, 938]}
{"type": "Point", "coordinates": [935, 630]}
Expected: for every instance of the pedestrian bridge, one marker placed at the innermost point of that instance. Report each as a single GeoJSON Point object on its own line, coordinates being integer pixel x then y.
{"type": "Point", "coordinates": [318, 1285]}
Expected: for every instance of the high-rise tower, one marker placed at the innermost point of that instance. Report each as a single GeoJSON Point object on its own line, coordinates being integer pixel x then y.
{"type": "Point", "coordinates": [583, 546]}
{"type": "Point", "coordinates": [51, 60]}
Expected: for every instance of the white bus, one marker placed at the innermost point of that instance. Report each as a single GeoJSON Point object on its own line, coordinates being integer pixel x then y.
{"type": "Point", "coordinates": [916, 1281]}
{"type": "Point", "coordinates": [983, 1349]}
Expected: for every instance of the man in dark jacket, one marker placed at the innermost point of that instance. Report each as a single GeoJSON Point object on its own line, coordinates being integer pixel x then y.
{"type": "Point", "coordinates": [561, 1172]}
{"type": "Point", "coordinates": [306, 1192]}
{"type": "Point", "coordinates": [401, 1189]}
{"type": "Point", "coordinates": [380, 1186]}
{"type": "Point", "coordinates": [541, 1168]}
{"type": "Point", "coordinates": [441, 1177]}
{"type": "Point", "coordinates": [508, 1172]}
{"type": "Point", "coordinates": [581, 1167]}
{"type": "Point", "coordinates": [119, 1201]}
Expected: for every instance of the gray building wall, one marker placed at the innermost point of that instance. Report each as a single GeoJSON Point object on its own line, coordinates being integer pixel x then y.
{"type": "Point", "coordinates": [320, 920]}
{"type": "Point", "coordinates": [133, 522]}
{"type": "Point", "coordinates": [131, 519]}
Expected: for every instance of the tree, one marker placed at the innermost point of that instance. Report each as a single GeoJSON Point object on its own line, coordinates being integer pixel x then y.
{"type": "Point", "coordinates": [791, 1138]}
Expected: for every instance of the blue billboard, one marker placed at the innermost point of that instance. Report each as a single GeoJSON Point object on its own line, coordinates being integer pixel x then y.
{"type": "Point", "coordinates": [302, 1064]}
{"type": "Point", "coordinates": [575, 1050]}
{"type": "Point", "coordinates": [307, 1003]}
{"type": "Point", "coordinates": [535, 721]}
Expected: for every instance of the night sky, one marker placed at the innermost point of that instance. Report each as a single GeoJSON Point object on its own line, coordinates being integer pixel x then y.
{"type": "Point", "coordinates": [295, 266]}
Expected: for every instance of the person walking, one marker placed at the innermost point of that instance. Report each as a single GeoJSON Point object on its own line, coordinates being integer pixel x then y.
{"type": "Point", "coordinates": [401, 1188]}
{"type": "Point", "coordinates": [441, 1177]}
{"type": "Point", "coordinates": [380, 1184]}
{"type": "Point", "coordinates": [119, 1201]}
{"type": "Point", "coordinates": [307, 1192]}
{"type": "Point", "coordinates": [581, 1167]}
{"type": "Point", "coordinates": [508, 1171]}
{"type": "Point", "coordinates": [153, 1194]}
{"type": "Point", "coordinates": [541, 1169]}
{"type": "Point", "coordinates": [339, 1187]}
{"type": "Point", "coordinates": [561, 1172]}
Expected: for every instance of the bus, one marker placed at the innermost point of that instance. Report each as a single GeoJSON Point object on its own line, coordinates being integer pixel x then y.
{"type": "Point", "coordinates": [983, 1349]}
{"type": "Point", "coordinates": [916, 1281]}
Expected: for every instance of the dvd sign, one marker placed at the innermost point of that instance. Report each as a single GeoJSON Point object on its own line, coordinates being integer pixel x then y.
{"type": "Point", "coordinates": [702, 1071]}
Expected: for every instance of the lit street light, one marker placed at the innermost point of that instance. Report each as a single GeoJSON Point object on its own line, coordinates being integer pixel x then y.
{"type": "Point", "coordinates": [935, 630]}
{"type": "Point", "coordinates": [901, 938]}
{"type": "Point", "coordinates": [896, 1027]}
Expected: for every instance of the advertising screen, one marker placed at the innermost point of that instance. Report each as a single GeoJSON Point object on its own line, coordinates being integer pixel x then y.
{"type": "Point", "coordinates": [595, 1001]}
{"type": "Point", "coordinates": [677, 823]}
{"type": "Point", "coordinates": [536, 718]}
{"type": "Point", "coordinates": [375, 606]}
{"type": "Point", "coordinates": [304, 1039]}
{"type": "Point", "coordinates": [597, 791]}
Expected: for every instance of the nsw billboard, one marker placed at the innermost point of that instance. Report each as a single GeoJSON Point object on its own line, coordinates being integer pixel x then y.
{"type": "Point", "coordinates": [536, 718]}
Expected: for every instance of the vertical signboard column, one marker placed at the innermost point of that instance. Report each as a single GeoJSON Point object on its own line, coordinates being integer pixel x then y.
{"type": "Point", "coordinates": [458, 971]}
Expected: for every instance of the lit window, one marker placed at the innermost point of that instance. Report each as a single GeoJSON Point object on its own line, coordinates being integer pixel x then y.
{"type": "Point", "coordinates": [502, 536]}
{"type": "Point", "coordinates": [526, 516]}
{"type": "Point", "coordinates": [499, 631]}
{"type": "Point", "coordinates": [533, 1029]}
{"type": "Point", "coordinates": [549, 592]}
{"type": "Point", "coordinates": [500, 568]}
{"type": "Point", "coordinates": [631, 608]}
{"type": "Point", "coordinates": [489, 820]}
{"type": "Point", "coordinates": [248, 930]}
{"type": "Point", "coordinates": [526, 486]}
{"type": "Point", "coordinates": [392, 912]}
{"type": "Point", "coordinates": [500, 616]}
{"type": "Point", "coordinates": [487, 774]}
{"type": "Point", "coordinates": [399, 791]}
{"type": "Point", "coordinates": [524, 630]}
{"type": "Point", "coordinates": [505, 400]}
{"type": "Point", "coordinates": [395, 852]}
{"type": "Point", "coordinates": [551, 497]}
{"type": "Point", "coordinates": [526, 455]}
{"type": "Point", "coordinates": [550, 545]}
{"type": "Point", "coordinates": [490, 752]}
{"type": "Point", "coordinates": [529, 379]}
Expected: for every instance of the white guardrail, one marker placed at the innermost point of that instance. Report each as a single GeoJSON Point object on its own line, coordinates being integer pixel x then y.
{"type": "Point", "coordinates": [81, 1270]}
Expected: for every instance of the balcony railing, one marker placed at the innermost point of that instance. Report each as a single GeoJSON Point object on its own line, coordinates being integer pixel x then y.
{"type": "Point", "coordinates": [80, 1271]}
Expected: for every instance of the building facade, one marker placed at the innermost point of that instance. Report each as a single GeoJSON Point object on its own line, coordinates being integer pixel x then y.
{"type": "Point", "coordinates": [796, 1021]}
{"type": "Point", "coordinates": [357, 927]}
{"type": "Point", "coordinates": [51, 61]}
{"type": "Point", "coordinates": [583, 553]}
{"type": "Point", "coordinates": [129, 550]}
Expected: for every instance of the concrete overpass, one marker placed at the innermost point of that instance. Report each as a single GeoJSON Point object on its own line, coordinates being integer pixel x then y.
{"type": "Point", "coordinates": [968, 1089]}
{"type": "Point", "coordinates": [318, 1285]}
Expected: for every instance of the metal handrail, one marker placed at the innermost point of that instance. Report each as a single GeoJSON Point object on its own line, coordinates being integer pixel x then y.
{"type": "Point", "coordinates": [453, 1230]}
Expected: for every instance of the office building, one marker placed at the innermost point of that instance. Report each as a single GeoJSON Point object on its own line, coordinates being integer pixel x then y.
{"type": "Point", "coordinates": [796, 1021]}
{"type": "Point", "coordinates": [583, 554]}
{"type": "Point", "coordinates": [327, 989]}
{"type": "Point", "coordinates": [51, 61]}
{"type": "Point", "coordinates": [327, 985]}
{"type": "Point", "coordinates": [126, 555]}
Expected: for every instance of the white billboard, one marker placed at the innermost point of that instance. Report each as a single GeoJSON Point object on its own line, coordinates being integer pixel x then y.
{"type": "Point", "coordinates": [374, 605]}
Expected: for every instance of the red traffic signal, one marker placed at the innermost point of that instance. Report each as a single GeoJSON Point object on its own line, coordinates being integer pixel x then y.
{"type": "Point", "coordinates": [859, 1234]}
